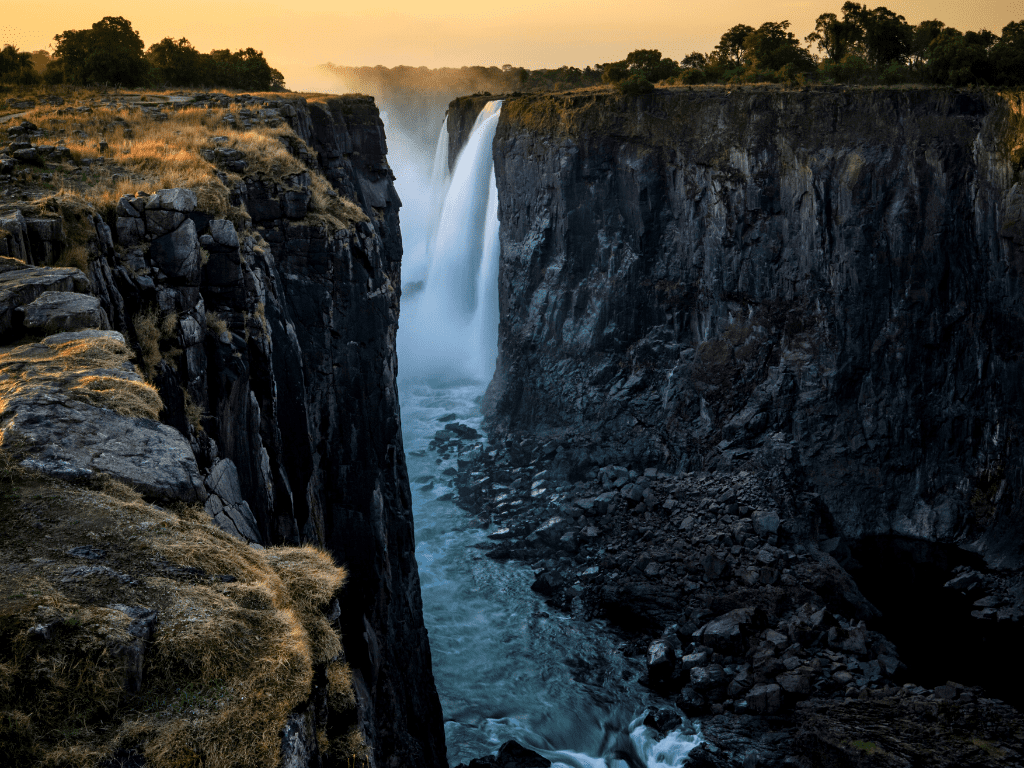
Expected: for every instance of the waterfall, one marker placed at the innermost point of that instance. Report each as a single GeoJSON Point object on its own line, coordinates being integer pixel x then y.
{"type": "Point", "coordinates": [451, 325]}
{"type": "Point", "coordinates": [504, 668]}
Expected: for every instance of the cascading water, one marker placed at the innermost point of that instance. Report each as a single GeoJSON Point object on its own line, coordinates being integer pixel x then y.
{"type": "Point", "coordinates": [505, 667]}
{"type": "Point", "coordinates": [450, 328]}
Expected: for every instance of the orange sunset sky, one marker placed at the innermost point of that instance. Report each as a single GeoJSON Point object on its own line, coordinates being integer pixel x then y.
{"type": "Point", "coordinates": [297, 36]}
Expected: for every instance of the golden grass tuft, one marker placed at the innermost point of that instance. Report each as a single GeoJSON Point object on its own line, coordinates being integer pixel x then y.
{"type": "Point", "coordinates": [215, 322]}
{"type": "Point", "coordinates": [76, 256]}
{"type": "Point", "coordinates": [229, 660]}
{"type": "Point", "coordinates": [88, 370]}
{"type": "Point", "coordinates": [193, 412]}
{"type": "Point", "coordinates": [153, 334]}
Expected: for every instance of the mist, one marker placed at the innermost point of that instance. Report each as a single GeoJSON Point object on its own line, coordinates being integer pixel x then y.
{"type": "Point", "coordinates": [448, 328]}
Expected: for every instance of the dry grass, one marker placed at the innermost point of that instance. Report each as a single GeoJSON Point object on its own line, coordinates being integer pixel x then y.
{"type": "Point", "coordinates": [215, 322]}
{"type": "Point", "coordinates": [89, 370]}
{"type": "Point", "coordinates": [229, 660]}
{"type": "Point", "coordinates": [161, 154]}
{"type": "Point", "coordinates": [154, 335]}
{"type": "Point", "coordinates": [193, 413]}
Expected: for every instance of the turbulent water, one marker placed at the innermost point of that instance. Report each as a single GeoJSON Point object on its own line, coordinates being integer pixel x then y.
{"type": "Point", "coordinates": [506, 666]}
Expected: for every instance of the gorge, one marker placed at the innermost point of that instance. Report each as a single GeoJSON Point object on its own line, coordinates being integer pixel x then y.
{"type": "Point", "coordinates": [755, 393]}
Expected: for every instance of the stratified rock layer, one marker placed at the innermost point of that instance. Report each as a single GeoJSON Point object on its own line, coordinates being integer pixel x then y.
{"type": "Point", "coordinates": [827, 281]}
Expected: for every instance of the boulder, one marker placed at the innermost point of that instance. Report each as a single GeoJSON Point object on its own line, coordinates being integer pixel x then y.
{"type": "Point", "coordinates": [19, 287]}
{"type": "Point", "coordinates": [57, 311]}
{"type": "Point", "coordinates": [661, 659]}
{"type": "Point", "coordinates": [160, 222]}
{"type": "Point", "coordinates": [177, 199]}
{"type": "Point", "coordinates": [764, 699]}
{"type": "Point", "coordinates": [728, 633]}
{"type": "Point", "coordinates": [75, 440]}
{"type": "Point", "coordinates": [230, 512]}
{"type": "Point", "coordinates": [223, 233]}
{"type": "Point", "coordinates": [130, 231]}
{"type": "Point", "coordinates": [705, 678]}
{"type": "Point", "coordinates": [178, 254]}
{"type": "Point", "coordinates": [766, 522]}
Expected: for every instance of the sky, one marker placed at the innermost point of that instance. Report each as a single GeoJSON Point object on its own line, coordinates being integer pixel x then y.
{"type": "Point", "coordinates": [298, 36]}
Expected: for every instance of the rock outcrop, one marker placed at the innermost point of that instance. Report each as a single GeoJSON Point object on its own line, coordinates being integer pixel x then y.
{"type": "Point", "coordinates": [828, 280]}
{"type": "Point", "coordinates": [270, 335]}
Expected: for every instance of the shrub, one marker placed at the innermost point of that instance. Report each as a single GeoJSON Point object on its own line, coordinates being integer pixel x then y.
{"type": "Point", "coordinates": [692, 77]}
{"type": "Point", "coordinates": [634, 85]}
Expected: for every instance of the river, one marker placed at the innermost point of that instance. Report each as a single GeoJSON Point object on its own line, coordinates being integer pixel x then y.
{"type": "Point", "coordinates": [506, 665]}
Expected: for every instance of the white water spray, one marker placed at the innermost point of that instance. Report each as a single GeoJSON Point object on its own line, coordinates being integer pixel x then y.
{"type": "Point", "coordinates": [451, 326]}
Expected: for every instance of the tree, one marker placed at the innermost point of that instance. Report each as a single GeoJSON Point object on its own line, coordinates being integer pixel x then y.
{"type": "Point", "coordinates": [833, 36]}
{"type": "Point", "coordinates": [614, 72]}
{"type": "Point", "coordinates": [110, 52]}
{"type": "Point", "coordinates": [651, 65]}
{"type": "Point", "coordinates": [245, 69]}
{"type": "Point", "coordinates": [729, 51]}
{"type": "Point", "coordinates": [1007, 55]}
{"type": "Point", "coordinates": [924, 33]}
{"type": "Point", "coordinates": [886, 36]}
{"type": "Point", "coordinates": [954, 59]}
{"type": "Point", "coordinates": [695, 60]}
{"type": "Point", "coordinates": [635, 85]}
{"type": "Point", "coordinates": [16, 66]}
{"type": "Point", "coordinates": [176, 62]}
{"type": "Point", "coordinates": [772, 47]}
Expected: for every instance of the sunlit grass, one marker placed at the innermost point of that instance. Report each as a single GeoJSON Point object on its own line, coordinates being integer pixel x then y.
{"type": "Point", "coordinates": [153, 153]}
{"type": "Point", "coordinates": [89, 370]}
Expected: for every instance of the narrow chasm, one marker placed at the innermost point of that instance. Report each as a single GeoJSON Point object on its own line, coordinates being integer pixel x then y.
{"type": "Point", "coordinates": [933, 607]}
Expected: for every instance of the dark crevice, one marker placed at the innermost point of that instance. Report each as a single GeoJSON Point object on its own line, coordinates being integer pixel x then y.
{"type": "Point", "coordinates": [931, 624]}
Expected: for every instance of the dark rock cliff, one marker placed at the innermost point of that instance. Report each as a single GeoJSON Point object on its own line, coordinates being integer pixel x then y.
{"type": "Point", "coordinates": [278, 353]}
{"type": "Point", "coordinates": [828, 282]}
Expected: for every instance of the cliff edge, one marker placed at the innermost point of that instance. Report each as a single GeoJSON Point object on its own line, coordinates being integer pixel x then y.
{"type": "Point", "coordinates": [256, 282]}
{"type": "Point", "coordinates": [698, 277]}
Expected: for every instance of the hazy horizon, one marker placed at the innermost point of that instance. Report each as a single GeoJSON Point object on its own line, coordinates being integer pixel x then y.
{"type": "Point", "coordinates": [451, 33]}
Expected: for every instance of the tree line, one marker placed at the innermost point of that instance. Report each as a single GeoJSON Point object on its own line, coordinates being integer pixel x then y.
{"type": "Point", "coordinates": [112, 53]}
{"type": "Point", "coordinates": [860, 45]}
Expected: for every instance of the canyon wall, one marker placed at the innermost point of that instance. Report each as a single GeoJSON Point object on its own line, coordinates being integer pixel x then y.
{"type": "Point", "coordinates": [277, 351]}
{"type": "Point", "coordinates": [822, 284]}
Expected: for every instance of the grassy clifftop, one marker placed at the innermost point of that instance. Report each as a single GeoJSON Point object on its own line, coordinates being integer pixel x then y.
{"type": "Point", "coordinates": [130, 630]}
{"type": "Point", "coordinates": [129, 627]}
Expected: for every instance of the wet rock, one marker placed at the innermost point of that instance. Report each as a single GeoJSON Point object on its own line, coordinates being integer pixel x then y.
{"type": "Point", "coordinates": [691, 702]}
{"type": "Point", "coordinates": [663, 721]}
{"type": "Point", "coordinates": [703, 679]}
{"type": "Point", "coordinates": [547, 583]}
{"type": "Point", "coordinates": [661, 659]}
{"type": "Point", "coordinates": [511, 754]}
{"type": "Point", "coordinates": [462, 431]}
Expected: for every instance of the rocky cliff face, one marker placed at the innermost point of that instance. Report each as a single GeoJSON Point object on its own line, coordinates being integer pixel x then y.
{"type": "Point", "coordinates": [824, 283]}
{"type": "Point", "coordinates": [273, 347]}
